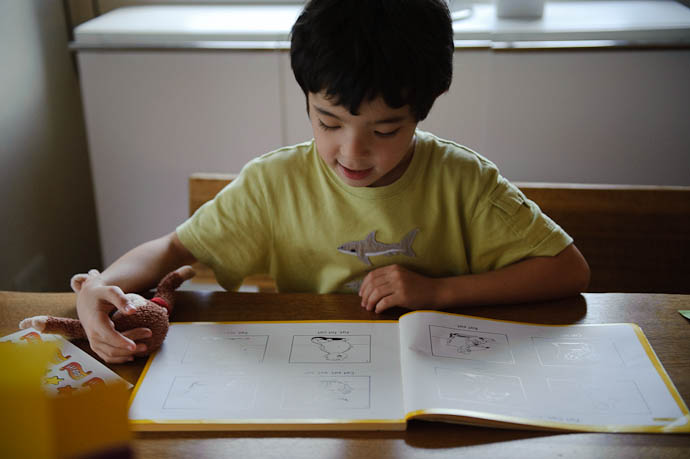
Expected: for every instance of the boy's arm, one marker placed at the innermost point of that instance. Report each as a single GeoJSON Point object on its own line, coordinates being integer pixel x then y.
{"type": "Point", "coordinates": [139, 269]}
{"type": "Point", "coordinates": [532, 279]}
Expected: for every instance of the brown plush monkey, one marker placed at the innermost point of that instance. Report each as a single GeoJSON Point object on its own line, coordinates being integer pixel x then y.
{"type": "Point", "coordinates": [152, 314]}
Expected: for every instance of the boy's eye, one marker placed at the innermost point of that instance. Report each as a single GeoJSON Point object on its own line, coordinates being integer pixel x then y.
{"type": "Point", "coordinates": [387, 134]}
{"type": "Point", "coordinates": [325, 127]}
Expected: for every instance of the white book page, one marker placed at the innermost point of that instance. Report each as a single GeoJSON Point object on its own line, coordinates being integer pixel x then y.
{"type": "Point", "coordinates": [273, 373]}
{"type": "Point", "coordinates": [582, 375]}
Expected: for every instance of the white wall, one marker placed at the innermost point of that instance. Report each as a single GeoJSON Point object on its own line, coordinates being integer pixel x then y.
{"type": "Point", "coordinates": [47, 213]}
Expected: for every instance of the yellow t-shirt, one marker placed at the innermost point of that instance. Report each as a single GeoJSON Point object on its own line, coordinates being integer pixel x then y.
{"type": "Point", "coordinates": [288, 214]}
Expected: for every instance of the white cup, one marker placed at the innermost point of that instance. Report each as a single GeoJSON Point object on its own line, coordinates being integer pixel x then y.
{"type": "Point", "coordinates": [519, 8]}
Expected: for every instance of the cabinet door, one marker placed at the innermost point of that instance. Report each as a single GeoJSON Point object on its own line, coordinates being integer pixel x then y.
{"type": "Point", "coordinates": [153, 118]}
{"type": "Point", "coordinates": [590, 116]}
{"type": "Point", "coordinates": [460, 114]}
{"type": "Point", "coordinates": [296, 126]}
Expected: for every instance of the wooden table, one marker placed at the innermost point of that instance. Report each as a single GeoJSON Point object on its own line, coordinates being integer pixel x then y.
{"type": "Point", "coordinates": [667, 331]}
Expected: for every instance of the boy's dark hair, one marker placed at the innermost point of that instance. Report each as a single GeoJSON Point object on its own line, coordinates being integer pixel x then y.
{"type": "Point", "coordinates": [356, 50]}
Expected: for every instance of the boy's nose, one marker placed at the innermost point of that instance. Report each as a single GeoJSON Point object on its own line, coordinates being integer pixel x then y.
{"type": "Point", "coordinates": [355, 146]}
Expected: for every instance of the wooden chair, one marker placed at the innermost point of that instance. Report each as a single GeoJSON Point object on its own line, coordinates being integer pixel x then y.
{"type": "Point", "coordinates": [203, 187]}
{"type": "Point", "coordinates": [635, 238]}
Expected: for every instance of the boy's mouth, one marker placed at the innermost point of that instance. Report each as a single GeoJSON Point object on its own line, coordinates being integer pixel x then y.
{"type": "Point", "coordinates": [355, 174]}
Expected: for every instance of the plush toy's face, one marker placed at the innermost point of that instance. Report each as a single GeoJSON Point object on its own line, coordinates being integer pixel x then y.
{"type": "Point", "coordinates": [136, 300]}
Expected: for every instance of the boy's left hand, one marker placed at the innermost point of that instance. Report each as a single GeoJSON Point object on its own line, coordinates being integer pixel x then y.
{"type": "Point", "coordinates": [394, 285]}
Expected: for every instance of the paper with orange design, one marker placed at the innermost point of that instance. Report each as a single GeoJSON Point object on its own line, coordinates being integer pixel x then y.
{"type": "Point", "coordinates": [71, 369]}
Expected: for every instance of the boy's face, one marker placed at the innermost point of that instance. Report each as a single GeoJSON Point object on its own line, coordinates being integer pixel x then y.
{"type": "Point", "coordinates": [371, 149]}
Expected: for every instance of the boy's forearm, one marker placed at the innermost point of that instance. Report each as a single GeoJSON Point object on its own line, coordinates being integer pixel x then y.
{"type": "Point", "coordinates": [142, 267]}
{"type": "Point", "coordinates": [534, 279]}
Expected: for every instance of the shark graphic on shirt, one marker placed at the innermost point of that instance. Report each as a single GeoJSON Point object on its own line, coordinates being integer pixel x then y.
{"type": "Point", "coordinates": [354, 286]}
{"type": "Point", "coordinates": [370, 247]}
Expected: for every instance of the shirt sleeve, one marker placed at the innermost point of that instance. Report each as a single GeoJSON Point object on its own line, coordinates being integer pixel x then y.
{"type": "Point", "coordinates": [507, 228]}
{"type": "Point", "coordinates": [231, 233]}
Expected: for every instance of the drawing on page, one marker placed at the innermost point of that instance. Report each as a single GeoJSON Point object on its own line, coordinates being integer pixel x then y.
{"type": "Point", "coordinates": [330, 349]}
{"type": "Point", "coordinates": [342, 392]}
{"type": "Point", "coordinates": [226, 350]}
{"type": "Point", "coordinates": [334, 348]}
{"type": "Point", "coordinates": [576, 352]}
{"type": "Point", "coordinates": [471, 345]}
{"type": "Point", "coordinates": [479, 387]}
{"type": "Point", "coordinates": [465, 343]}
{"type": "Point", "coordinates": [337, 389]}
{"type": "Point", "coordinates": [202, 392]}
{"type": "Point", "coordinates": [602, 397]}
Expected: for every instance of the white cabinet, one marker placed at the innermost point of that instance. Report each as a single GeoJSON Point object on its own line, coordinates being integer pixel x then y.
{"type": "Point", "coordinates": [154, 118]}
{"type": "Point", "coordinates": [601, 116]}
{"type": "Point", "coordinates": [461, 114]}
{"type": "Point", "coordinates": [294, 107]}
{"type": "Point", "coordinates": [611, 115]}
{"type": "Point", "coordinates": [588, 116]}
{"type": "Point", "coordinates": [166, 96]}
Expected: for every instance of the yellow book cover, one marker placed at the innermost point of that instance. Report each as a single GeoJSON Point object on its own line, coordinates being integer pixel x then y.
{"type": "Point", "coordinates": [41, 421]}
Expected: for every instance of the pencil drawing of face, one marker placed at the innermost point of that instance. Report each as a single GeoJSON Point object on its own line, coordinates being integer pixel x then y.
{"type": "Point", "coordinates": [576, 352]}
{"type": "Point", "coordinates": [337, 390]}
{"type": "Point", "coordinates": [334, 347]}
{"type": "Point", "coordinates": [468, 343]}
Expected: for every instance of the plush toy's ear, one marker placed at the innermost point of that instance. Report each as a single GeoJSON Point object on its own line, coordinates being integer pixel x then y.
{"type": "Point", "coordinates": [78, 279]}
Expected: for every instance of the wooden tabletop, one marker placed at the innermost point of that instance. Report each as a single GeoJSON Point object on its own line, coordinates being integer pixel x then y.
{"type": "Point", "coordinates": [657, 314]}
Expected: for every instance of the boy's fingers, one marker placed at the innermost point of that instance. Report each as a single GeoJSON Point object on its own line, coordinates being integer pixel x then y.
{"type": "Point", "coordinates": [136, 334]}
{"type": "Point", "coordinates": [378, 293]}
{"type": "Point", "coordinates": [116, 359]}
{"type": "Point", "coordinates": [109, 337]}
{"type": "Point", "coordinates": [115, 296]}
{"type": "Point", "coordinates": [368, 284]}
{"type": "Point", "coordinates": [371, 277]}
{"type": "Point", "coordinates": [141, 350]}
{"type": "Point", "coordinates": [114, 351]}
{"type": "Point", "coordinates": [375, 278]}
{"type": "Point", "coordinates": [386, 303]}
{"type": "Point", "coordinates": [110, 353]}
{"type": "Point", "coordinates": [376, 288]}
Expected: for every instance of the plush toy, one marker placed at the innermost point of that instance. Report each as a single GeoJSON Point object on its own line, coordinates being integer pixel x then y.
{"type": "Point", "coordinates": [152, 314]}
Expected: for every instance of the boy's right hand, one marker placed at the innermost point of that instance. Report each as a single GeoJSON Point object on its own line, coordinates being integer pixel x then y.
{"type": "Point", "coordinates": [95, 301]}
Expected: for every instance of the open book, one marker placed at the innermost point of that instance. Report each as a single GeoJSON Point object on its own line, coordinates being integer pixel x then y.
{"type": "Point", "coordinates": [362, 375]}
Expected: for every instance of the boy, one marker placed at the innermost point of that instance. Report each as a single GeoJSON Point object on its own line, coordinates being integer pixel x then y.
{"type": "Point", "coordinates": [371, 205]}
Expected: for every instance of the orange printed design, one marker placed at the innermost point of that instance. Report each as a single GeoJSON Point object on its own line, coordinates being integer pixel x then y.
{"type": "Point", "coordinates": [66, 390]}
{"type": "Point", "coordinates": [75, 371]}
{"type": "Point", "coordinates": [32, 337]}
{"type": "Point", "coordinates": [93, 382]}
{"type": "Point", "coordinates": [54, 380]}
{"type": "Point", "coordinates": [59, 357]}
